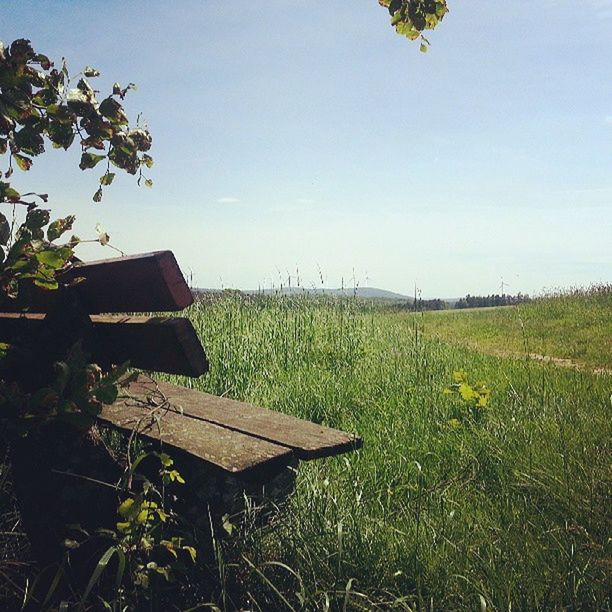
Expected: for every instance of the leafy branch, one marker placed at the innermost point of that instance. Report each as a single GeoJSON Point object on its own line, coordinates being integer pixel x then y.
{"type": "Point", "coordinates": [412, 17]}
{"type": "Point", "coordinates": [38, 106]}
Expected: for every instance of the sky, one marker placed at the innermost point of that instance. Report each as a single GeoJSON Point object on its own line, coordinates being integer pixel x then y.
{"type": "Point", "coordinates": [304, 142]}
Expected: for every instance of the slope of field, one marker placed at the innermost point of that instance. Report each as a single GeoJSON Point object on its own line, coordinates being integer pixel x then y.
{"type": "Point", "coordinates": [446, 506]}
{"type": "Point", "coordinates": [573, 328]}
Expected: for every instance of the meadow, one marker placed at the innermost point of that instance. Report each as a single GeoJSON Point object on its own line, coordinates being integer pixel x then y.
{"type": "Point", "coordinates": [447, 506]}
{"type": "Point", "coordinates": [572, 327]}
{"type": "Point", "coordinates": [450, 504]}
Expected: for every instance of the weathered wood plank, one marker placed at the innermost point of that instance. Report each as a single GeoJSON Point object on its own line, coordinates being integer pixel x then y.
{"type": "Point", "coordinates": [224, 448]}
{"type": "Point", "coordinates": [161, 344]}
{"type": "Point", "coordinates": [308, 440]}
{"type": "Point", "coordinates": [152, 343]}
{"type": "Point", "coordinates": [151, 282]}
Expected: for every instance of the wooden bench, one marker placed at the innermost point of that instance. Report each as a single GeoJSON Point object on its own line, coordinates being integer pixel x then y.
{"type": "Point", "coordinates": [252, 445]}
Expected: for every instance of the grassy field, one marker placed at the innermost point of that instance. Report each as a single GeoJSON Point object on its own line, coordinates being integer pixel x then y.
{"type": "Point", "coordinates": [506, 508]}
{"type": "Point", "coordinates": [574, 326]}
{"type": "Point", "coordinates": [447, 506]}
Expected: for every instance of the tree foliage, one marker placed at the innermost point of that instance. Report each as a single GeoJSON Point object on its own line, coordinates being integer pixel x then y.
{"type": "Point", "coordinates": [39, 106]}
{"type": "Point", "coordinates": [412, 17]}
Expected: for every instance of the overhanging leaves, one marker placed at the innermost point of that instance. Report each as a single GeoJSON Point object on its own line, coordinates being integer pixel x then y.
{"type": "Point", "coordinates": [412, 17]}
{"type": "Point", "coordinates": [37, 103]}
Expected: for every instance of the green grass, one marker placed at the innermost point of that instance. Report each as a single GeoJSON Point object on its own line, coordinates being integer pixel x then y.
{"type": "Point", "coordinates": [509, 511]}
{"type": "Point", "coordinates": [574, 325]}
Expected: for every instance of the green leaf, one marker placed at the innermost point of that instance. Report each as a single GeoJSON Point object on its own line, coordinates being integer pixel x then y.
{"type": "Point", "coordinates": [227, 524]}
{"type": "Point", "coordinates": [126, 508]}
{"type": "Point", "coordinates": [43, 60]}
{"type": "Point", "coordinates": [8, 193]}
{"type": "Point", "coordinates": [125, 161]}
{"type": "Point", "coordinates": [175, 476]}
{"type": "Point", "coordinates": [73, 242]}
{"type": "Point", "coordinates": [141, 138]}
{"type": "Point", "coordinates": [124, 527]}
{"type": "Point", "coordinates": [71, 544]}
{"type": "Point", "coordinates": [59, 226]}
{"type": "Point", "coordinates": [165, 459]}
{"type": "Point", "coordinates": [148, 183]}
{"type": "Point", "coordinates": [37, 218]}
{"type": "Point", "coordinates": [88, 71]}
{"type": "Point", "coordinates": [21, 49]}
{"type": "Point", "coordinates": [97, 197]}
{"type": "Point", "coordinates": [23, 265]}
{"type": "Point", "coordinates": [97, 573]}
{"type": "Point", "coordinates": [86, 88]}
{"type": "Point", "coordinates": [46, 283]}
{"type": "Point", "coordinates": [30, 141]}
{"type": "Point", "coordinates": [53, 258]}
{"type": "Point", "coordinates": [79, 102]}
{"type": "Point", "coordinates": [394, 6]}
{"type": "Point", "coordinates": [61, 134]}
{"type": "Point", "coordinates": [107, 178]}
{"type": "Point", "coordinates": [111, 109]}
{"type": "Point", "coordinates": [24, 163]}
{"type": "Point", "coordinates": [5, 230]}
{"type": "Point", "coordinates": [89, 160]}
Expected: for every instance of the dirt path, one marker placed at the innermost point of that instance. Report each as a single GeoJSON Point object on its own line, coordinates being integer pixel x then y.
{"type": "Point", "coordinates": [561, 362]}
{"type": "Point", "coordinates": [558, 361]}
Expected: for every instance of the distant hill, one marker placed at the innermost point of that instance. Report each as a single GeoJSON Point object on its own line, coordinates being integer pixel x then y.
{"type": "Point", "coordinates": [362, 292]}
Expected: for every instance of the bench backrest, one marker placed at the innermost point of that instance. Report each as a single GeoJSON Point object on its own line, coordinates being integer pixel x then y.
{"type": "Point", "coordinates": [148, 283]}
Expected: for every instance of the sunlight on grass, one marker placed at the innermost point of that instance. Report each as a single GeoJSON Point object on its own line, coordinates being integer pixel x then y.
{"type": "Point", "coordinates": [574, 325]}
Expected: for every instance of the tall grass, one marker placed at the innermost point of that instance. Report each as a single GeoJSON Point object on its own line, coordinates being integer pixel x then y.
{"type": "Point", "coordinates": [509, 512]}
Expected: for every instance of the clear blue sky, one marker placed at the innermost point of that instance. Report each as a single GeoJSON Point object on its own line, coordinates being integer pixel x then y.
{"type": "Point", "coordinates": [306, 135]}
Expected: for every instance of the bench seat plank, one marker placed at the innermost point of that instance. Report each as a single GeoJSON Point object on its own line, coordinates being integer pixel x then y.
{"type": "Point", "coordinates": [308, 440]}
{"type": "Point", "coordinates": [224, 448]}
{"type": "Point", "coordinates": [162, 344]}
{"type": "Point", "coordinates": [151, 282]}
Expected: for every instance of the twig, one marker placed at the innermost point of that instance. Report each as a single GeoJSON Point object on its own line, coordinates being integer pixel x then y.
{"type": "Point", "coordinates": [94, 480]}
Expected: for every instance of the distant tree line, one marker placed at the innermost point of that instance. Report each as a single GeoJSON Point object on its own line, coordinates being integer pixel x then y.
{"type": "Point", "coordinates": [479, 301]}
{"type": "Point", "coordinates": [469, 301]}
{"type": "Point", "coordinates": [435, 304]}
